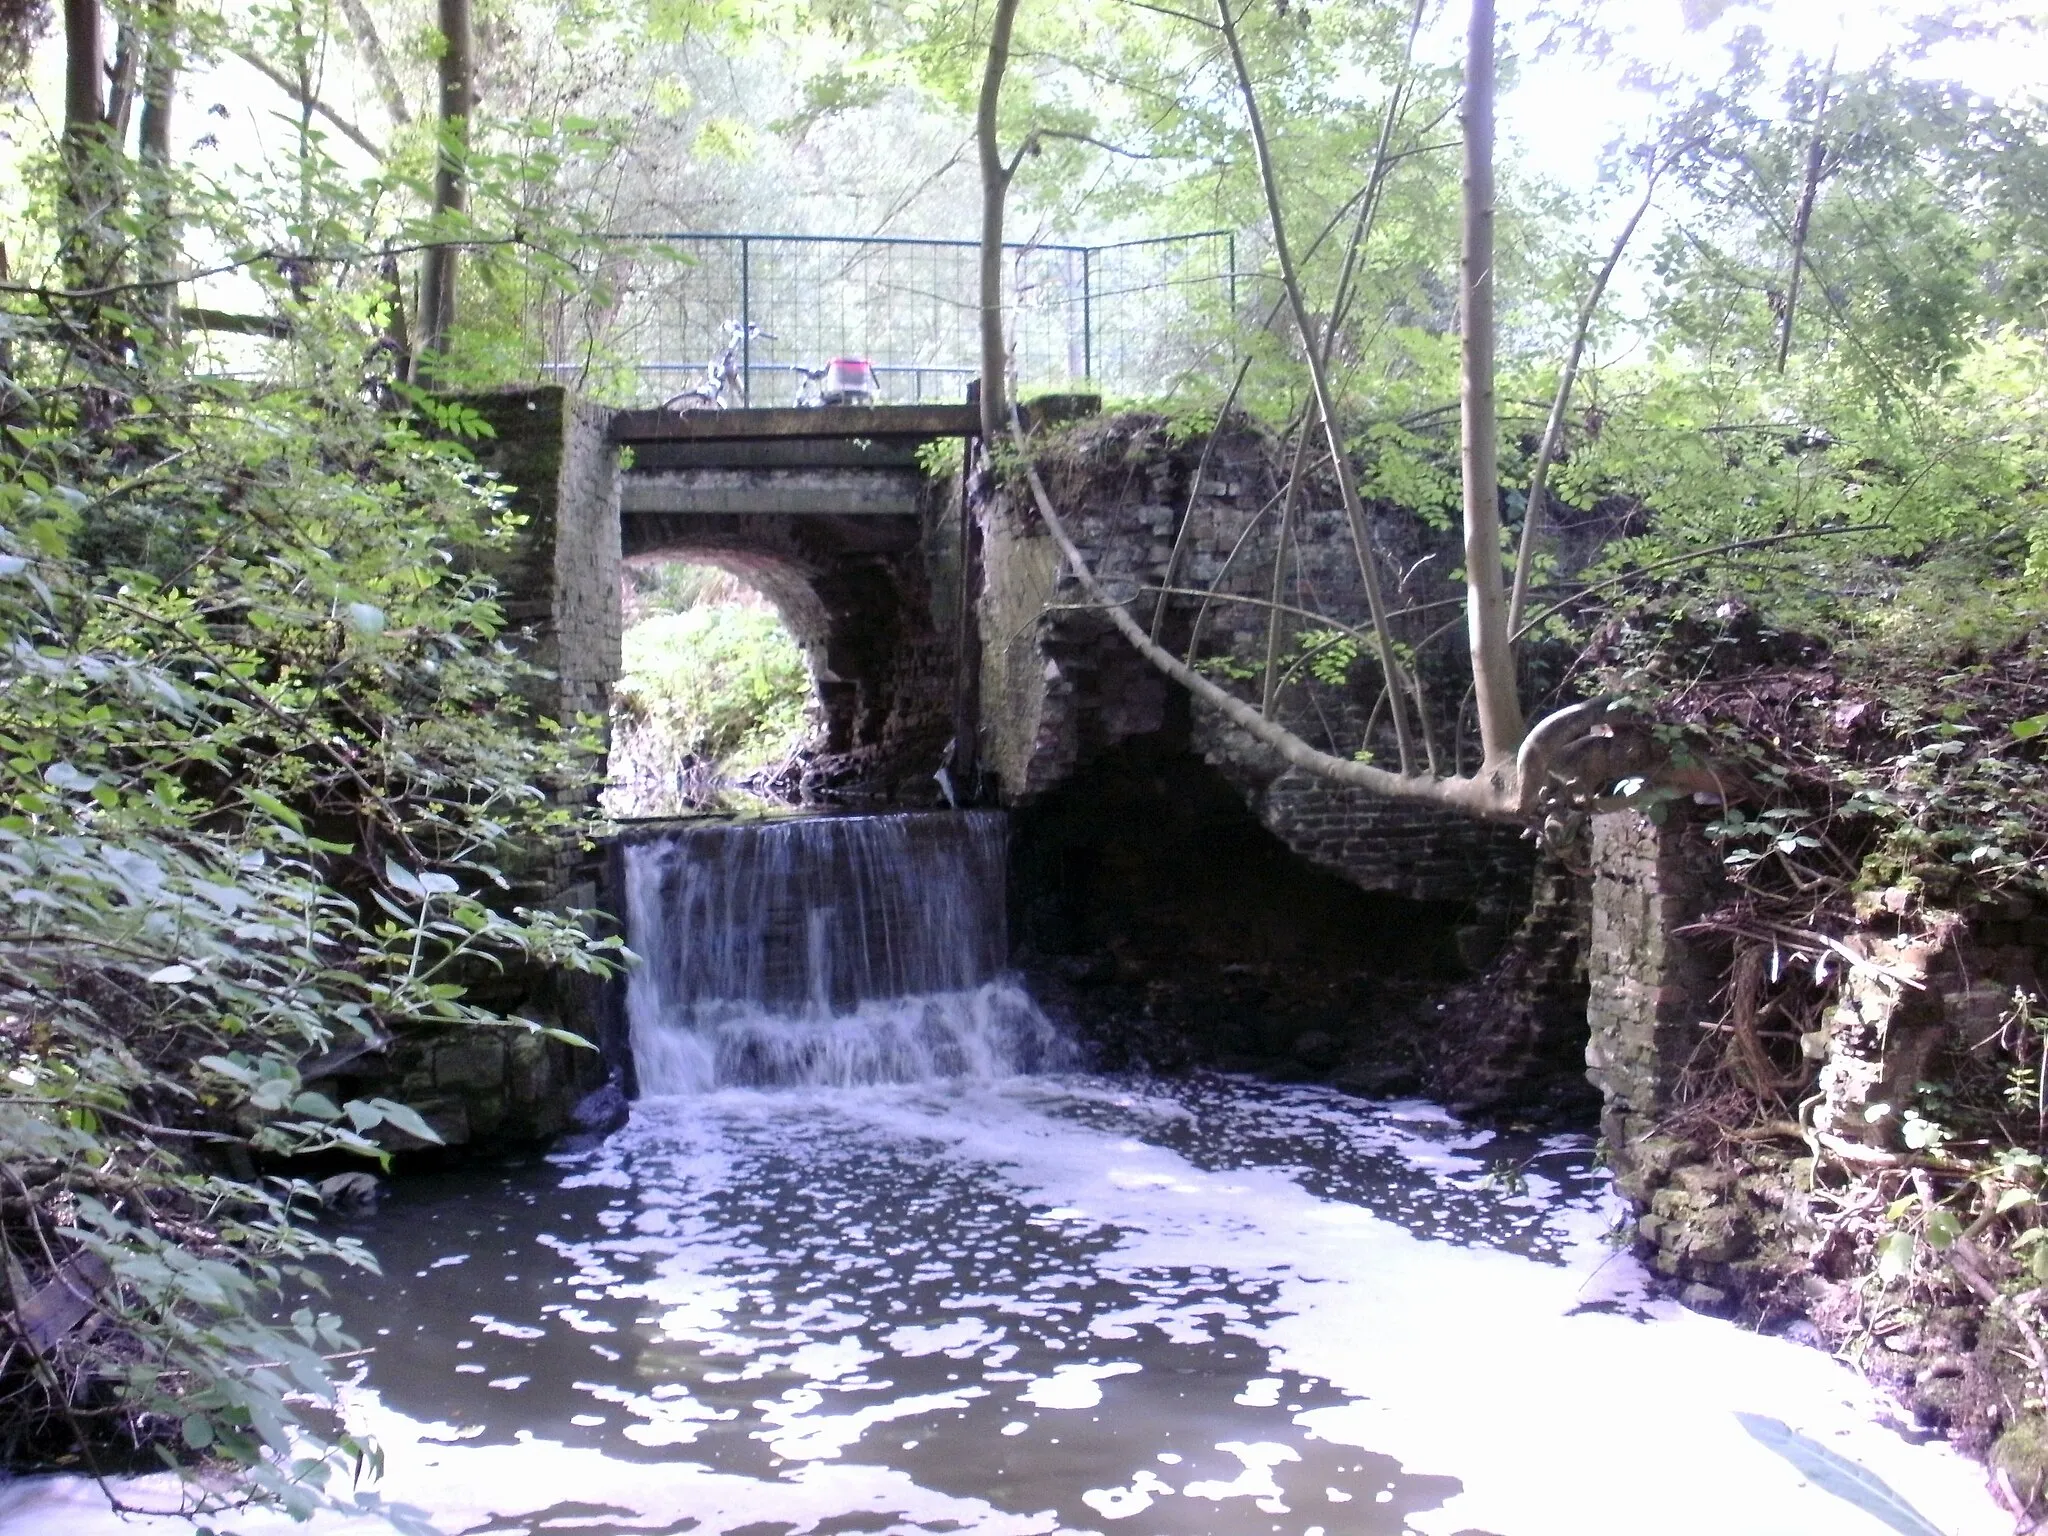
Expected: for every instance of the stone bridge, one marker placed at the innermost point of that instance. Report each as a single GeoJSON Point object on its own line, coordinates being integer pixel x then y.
{"type": "Point", "coordinates": [832, 517]}
{"type": "Point", "coordinates": [1167, 875]}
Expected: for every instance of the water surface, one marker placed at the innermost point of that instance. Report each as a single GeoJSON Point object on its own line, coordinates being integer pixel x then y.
{"type": "Point", "coordinates": [1212, 1308]}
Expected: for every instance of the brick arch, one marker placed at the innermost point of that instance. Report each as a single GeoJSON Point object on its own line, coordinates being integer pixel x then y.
{"type": "Point", "coordinates": [857, 598]}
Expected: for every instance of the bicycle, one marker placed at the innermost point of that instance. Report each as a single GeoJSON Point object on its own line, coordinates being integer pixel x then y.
{"type": "Point", "coordinates": [721, 388]}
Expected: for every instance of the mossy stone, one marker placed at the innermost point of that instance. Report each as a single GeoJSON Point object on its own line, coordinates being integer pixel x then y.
{"type": "Point", "coordinates": [2021, 1453]}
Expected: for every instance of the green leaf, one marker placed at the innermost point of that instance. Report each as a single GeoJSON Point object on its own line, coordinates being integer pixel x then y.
{"type": "Point", "coordinates": [1895, 1256]}
{"type": "Point", "coordinates": [1834, 1473]}
{"type": "Point", "coordinates": [263, 800]}
{"type": "Point", "coordinates": [363, 1117]}
{"type": "Point", "coordinates": [408, 1120]}
{"type": "Point", "coordinates": [2029, 728]}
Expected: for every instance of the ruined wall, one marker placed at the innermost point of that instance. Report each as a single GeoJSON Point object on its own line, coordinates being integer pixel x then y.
{"type": "Point", "coordinates": [1651, 989]}
{"type": "Point", "coordinates": [1059, 686]}
{"type": "Point", "coordinates": [1912, 999]}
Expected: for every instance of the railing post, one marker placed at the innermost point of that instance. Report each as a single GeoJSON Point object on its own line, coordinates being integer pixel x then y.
{"type": "Point", "coordinates": [1088, 312]}
{"type": "Point", "coordinates": [746, 321]}
{"type": "Point", "coordinates": [1230, 255]}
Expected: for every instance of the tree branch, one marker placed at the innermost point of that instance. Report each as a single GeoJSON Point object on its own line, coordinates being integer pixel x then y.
{"type": "Point", "coordinates": [269, 254]}
{"type": "Point", "coordinates": [1354, 509]}
{"type": "Point", "coordinates": [1553, 428]}
{"type": "Point", "coordinates": [371, 46]}
{"type": "Point", "coordinates": [1084, 138]}
{"type": "Point", "coordinates": [1180, 534]}
{"type": "Point", "coordinates": [1166, 10]}
{"type": "Point", "coordinates": [290, 87]}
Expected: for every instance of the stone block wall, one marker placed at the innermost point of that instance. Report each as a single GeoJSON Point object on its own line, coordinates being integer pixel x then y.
{"type": "Point", "coordinates": [476, 1089]}
{"type": "Point", "coordinates": [560, 577]}
{"type": "Point", "coordinates": [559, 580]}
{"type": "Point", "coordinates": [1651, 988]}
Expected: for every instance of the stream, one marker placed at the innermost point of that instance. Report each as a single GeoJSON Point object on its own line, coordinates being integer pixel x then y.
{"type": "Point", "coordinates": [873, 1255]}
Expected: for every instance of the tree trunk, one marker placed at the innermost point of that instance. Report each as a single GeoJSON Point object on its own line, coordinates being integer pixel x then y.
{"type": "Point", "coordinates": [159, 239]}
{"type": "Point", "coordinates": [451, 183]}
{"type": "Point", "coordinates": [1816, 156]}
{"type": "Point", "coordinates": [1493, 667]}
{"type": "Point", "coordinates": [995, 189]}
{"type": "Point", "coordinates": [83, 67]}
{"type": "Point", "coordinates": [84, 144]}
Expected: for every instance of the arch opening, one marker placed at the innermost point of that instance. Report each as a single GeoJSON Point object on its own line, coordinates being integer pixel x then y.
{"type": "Point", "coordinates": [718, 703]}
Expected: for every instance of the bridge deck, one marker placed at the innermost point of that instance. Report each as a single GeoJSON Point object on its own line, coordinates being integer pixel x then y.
{"type": "Point", "coordinates": [880, 423]}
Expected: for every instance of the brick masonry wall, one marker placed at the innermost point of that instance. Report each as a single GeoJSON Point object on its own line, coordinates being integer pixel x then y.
{"type": "Point", "coordinates": [1059, 685]}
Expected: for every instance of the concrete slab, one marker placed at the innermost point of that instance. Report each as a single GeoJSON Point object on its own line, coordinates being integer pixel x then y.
{"type": "Point", "coordinates": [870, 421]}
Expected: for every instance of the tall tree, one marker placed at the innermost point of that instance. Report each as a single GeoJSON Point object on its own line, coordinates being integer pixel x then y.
{"type": "Point", "coordinates": [1493, 663]}
{"type": "Point", "coordinates": [455, 68]}
{"type": "Point", "coordinates": [159, 240]}
{"type": "Point", "coordinates": [84, 141]}
{"type": "Point", "coordinates": [996, 175]}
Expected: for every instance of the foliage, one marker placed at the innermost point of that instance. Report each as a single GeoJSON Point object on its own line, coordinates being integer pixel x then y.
{"type": "Point", "coordinates": [268, 775]}
{"type": "Point", "coordinates": [722, 683]}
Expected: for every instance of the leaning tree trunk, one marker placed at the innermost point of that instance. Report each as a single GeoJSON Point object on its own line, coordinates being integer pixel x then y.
{"type": "Point", "coordinates": [451, 181]}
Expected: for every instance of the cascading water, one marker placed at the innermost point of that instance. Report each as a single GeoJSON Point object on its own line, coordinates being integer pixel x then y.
{"type": "Point", "coordinates": [826, 950]}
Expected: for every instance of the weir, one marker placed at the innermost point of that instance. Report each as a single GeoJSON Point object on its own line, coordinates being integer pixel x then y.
{"type": "Point", "coordinates": [836, 951]}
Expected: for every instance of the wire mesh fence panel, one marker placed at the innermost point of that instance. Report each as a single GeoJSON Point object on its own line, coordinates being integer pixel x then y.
{"type": "Point", "coordinates": [734, 318]}
{"type": "Point", "coordinates": [1162, 311]}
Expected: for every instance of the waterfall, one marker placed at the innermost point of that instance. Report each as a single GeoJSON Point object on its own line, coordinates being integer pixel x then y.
{"type": "Point", "coordinates": [828, 950]}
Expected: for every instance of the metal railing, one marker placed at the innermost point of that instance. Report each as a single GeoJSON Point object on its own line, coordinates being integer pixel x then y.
{"type": "Point", "coordinates": [1128, 318]}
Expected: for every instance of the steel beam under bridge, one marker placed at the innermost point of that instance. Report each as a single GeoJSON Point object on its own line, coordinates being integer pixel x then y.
{"type": "Point", "coordinates": [833, 462]}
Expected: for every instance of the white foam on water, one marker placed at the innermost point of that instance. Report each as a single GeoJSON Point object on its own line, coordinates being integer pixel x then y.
{"type": "Point", "coordinates": [1459, 1361]}
{"type": "Point", "coordinates": [1072, 1387]}
{"type": "Point", "coordinates": [1477, 1364]}
{"type": "Point", "coordinates": [1255, 1482]}
{"type": "Point", "coordinates": [537, 1486]}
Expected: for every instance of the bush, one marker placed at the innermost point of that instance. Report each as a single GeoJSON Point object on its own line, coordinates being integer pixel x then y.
{"type": "Point", "coordinates": [264, 768]}
{"type": "Point", "coordinates": [722, 682]}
